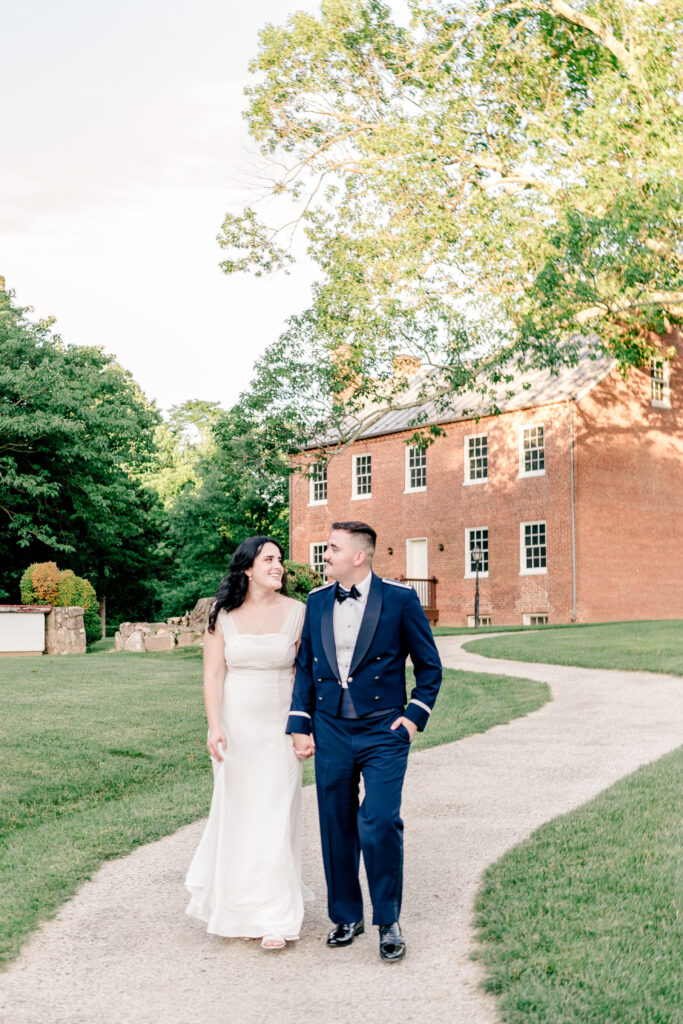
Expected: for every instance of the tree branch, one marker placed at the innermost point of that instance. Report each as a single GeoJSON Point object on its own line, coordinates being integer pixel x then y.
{"type": "Point", "coordinates": [606, 36]}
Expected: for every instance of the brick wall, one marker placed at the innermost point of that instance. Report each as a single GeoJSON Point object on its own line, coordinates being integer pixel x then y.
{"type": "Point", "coordinates": [628, 504]}
{"type": "Point", "coordinates": [629, 499]}
{"type": "Point", "coordinates": [448, 507]}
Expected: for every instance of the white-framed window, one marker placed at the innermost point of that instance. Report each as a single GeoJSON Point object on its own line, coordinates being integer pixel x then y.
{"type": "Point", "coordinates": [660, 390]}
{"type": "Point", "coordinates": [362, 476]}
{"type": "Point", "coordinates": [416, 469]}
{"type": "Point", "coordinates": [484, 620]}
{"type": "Point", "coordinates": [535, 619]}
{"type": "Point", "coordinates": [533, 549]}
{"type": "Point", "coordinates": [317, 476]}
{"type": "Point", "coordinates": [532, 450]}
{"type": "Point", "coordinates": [318, 549]}
{"type": "Point", "coordinates": [476, 537]}
{"type": "Point", "coordinates": [476, 458]}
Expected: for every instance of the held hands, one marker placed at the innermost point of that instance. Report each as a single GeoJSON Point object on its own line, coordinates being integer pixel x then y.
{"type": "Point", "coordinates": [217, 743]}
{"type": "Point", "coordinates": [410, 726]}
{"type": "Point", "coordinates": [304, 746]}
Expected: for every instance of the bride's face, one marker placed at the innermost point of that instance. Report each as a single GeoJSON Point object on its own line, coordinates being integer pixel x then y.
{"type": "Point", "coordinates": [267, 569]}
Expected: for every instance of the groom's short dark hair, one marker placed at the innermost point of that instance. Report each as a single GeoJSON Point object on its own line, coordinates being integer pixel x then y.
{"type": "Point", "coordinates": [353, 526]}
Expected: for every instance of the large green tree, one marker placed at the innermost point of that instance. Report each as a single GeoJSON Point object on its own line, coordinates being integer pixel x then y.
{"type": "Point", "coordinates": [477, 189]}
{"type": "Point", "coordinates": [75, 434]}
{"type": "Point", "coordinates": [234, 484]}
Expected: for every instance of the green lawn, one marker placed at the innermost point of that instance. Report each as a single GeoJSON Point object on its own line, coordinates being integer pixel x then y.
{"type": "Point", "coordinates": [103, 752]}
{"type": "Point", "coordinates": [635, 646]}
{"type": "Point", "coordinates": [582, 923]}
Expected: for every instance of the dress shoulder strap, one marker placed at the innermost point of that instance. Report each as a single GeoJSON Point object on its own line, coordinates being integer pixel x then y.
{"type": "Point", "coordinates": [296, 620]}
{"type": "Point", "coordinates": [224, 620]}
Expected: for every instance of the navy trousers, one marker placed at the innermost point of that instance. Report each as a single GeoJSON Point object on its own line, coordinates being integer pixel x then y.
{"type": "Point", "coordinates": [345, 749]}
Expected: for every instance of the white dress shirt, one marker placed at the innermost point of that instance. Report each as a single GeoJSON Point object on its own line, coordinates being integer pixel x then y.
{"type": "Point", "coordinates": [346, 620]}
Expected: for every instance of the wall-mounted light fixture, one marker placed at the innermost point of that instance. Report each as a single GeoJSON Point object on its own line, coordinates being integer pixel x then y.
{"type": "Point", "coordinates": [440, 547]}
{"type": "Point", "coordinates": [390, 551]}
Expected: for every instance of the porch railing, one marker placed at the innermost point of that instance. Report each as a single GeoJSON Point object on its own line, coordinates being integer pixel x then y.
{"type": "Point", "coordinates": [426, 591]}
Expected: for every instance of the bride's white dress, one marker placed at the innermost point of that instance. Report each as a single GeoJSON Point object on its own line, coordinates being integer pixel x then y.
{"type": "Point", "coordinates": [245, 877]}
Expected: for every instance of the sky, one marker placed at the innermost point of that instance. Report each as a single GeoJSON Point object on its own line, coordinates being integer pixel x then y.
{"type": "Point", "coordinates": [123, 146]}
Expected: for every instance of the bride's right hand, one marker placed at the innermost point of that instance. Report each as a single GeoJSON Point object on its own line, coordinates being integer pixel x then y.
{"type": "Point", "coordinates": [216, 740]}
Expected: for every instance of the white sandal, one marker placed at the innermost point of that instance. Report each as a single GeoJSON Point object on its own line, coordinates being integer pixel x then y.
{"type": "Point", "coordinates": [273, 942]}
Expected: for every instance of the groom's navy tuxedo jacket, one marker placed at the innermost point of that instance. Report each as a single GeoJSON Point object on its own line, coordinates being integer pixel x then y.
{"type": "Point", "coordinates": [394, 627]}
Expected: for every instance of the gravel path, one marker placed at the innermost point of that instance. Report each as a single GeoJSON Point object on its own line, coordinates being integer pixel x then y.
{"type": "Point", "coordinates": [122, 950]}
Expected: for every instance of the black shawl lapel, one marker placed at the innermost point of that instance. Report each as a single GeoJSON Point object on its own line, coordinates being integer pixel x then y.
{"type": "Point", "coordinates": [368, 627]}
{"type": "Point", "coordinates": [327, 630]}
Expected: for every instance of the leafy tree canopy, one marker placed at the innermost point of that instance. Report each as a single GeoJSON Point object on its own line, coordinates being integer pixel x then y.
{"type": "Point", "coordinates": [476, 189]}
{"type": "Point", "coordinates": [238, 488]}
{"type": "Point", "coordinates": [75, 432]}
{"type": "Point", "coordinates": [179, 442]}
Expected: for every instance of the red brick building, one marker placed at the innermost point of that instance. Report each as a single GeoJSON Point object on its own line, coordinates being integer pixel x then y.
{"type": "Point", "coordinates": [573, 495]}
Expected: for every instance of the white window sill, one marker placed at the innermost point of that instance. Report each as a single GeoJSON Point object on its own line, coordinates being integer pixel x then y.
{"type": "Point", "coordinates": [473, 575]}
{"type": "Point", "coordinates": [533, 472]}
{"type": "Point", "coordinates": [360, 497]}
{"type": "Point", "coordinates": [312, 504]}
{"type": "Point", "coordinates": [657, 404]}
{"type": "Point", "coordinates": [470, 483]}
{"type": "Point", "coordinates": [414, 490]}
{"type": "Point", "coordinates": [533, 572]}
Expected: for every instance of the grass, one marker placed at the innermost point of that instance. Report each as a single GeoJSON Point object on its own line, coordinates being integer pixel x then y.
{"type": "Point", "coordinates": [634, 646]}
{"type": "Point", "coordinates": [581, 923]}
{"type": "Point", "coordinates": [102, 753]}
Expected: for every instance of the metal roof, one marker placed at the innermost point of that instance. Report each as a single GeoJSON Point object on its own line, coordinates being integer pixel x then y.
{"type": "Point", "coordinates": [530, 388]}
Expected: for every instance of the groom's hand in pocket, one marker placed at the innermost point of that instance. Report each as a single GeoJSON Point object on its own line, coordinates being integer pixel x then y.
{"type": "Point", "coordinates": [410, 727]}
{"type": "Point", "coordinates": [304, 746]}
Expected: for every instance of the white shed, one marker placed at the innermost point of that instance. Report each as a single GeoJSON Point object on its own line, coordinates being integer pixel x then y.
{"type": "Point", "coordinates": [22, 628]}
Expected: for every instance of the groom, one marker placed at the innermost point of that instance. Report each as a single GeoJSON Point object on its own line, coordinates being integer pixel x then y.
{"type": "Point", "coordinates": [349, 708]}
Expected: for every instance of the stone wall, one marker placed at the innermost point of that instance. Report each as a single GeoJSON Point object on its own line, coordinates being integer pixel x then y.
{"type": "Point", "coordinates": [182, 631]}
{"type": "Point", "coordinates": [65, 631]}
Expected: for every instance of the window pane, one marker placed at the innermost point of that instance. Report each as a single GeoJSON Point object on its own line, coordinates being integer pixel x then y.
{"type": "Point", "coordinates": [363, 474]}
{"type": "Point", "coordinates": [533, 445]}
{"type": "Point", "coordinates": [417, 466]}
{"type": "Point", "coordinates": [317, 552]}
{"type": "Point", "coordinates": [477, 451]}
{"type": "Point", "coordinates": [534, 546]}
{"type": "Point", "coordinates": [657, 380]}
{"type": "Point", "coordinates": [478, 538]}
{"type": "Point", "coordinates": [319, 483]}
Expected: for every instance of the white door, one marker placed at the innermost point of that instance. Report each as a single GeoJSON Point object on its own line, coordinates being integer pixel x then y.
{"type": "Point", "coordinates": [416, 566]}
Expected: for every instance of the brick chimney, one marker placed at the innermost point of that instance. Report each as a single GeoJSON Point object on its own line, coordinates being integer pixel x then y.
{"type": "Point", "coordinates": [406, 365]}
{"type": "Point", "coordinates": [341, 356]}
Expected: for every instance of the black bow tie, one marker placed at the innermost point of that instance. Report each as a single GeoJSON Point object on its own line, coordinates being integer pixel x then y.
{"type": "Point", "coordinates": [342, 594]}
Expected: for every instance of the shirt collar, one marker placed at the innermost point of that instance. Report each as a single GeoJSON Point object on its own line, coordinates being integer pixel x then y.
{"type": "Point", "coordinates": [363, 587]}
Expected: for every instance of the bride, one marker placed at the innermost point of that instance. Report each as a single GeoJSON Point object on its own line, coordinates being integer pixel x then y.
{"type": "Point", "coordinates": [245, 877]}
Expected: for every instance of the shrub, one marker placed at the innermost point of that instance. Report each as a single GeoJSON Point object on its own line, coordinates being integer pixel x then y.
{"type": "Point", "coordinates": [39, 583]}
{"type": "Point", "coordinates": [301, 579]}
{"type": "Point", "coordinates": [26, 590]}
{"type": "Point", "coordinates": [74, 590]}
{"type": "Point", "coordinates": [43, 583]}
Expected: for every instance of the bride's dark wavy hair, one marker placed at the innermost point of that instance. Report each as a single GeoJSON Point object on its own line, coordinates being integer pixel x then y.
{"type": "Point", "coordinates": [233, 588]}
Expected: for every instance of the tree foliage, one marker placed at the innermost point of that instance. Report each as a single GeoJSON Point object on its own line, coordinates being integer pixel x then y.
{"type": "Point", "coordinates": [75, 432]}
{"type": "Point", "coordinates": [477, 189]}
{"type": "Point", "coordinates": [238, 488]}
{"type": "Point", "coordinates": [301, 579]}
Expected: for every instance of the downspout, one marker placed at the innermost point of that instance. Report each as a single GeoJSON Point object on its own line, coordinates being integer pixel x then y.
{"type": "Point", "coordinates": [289, 517]}
{"type": "Point", "coordinates": [573, 517]}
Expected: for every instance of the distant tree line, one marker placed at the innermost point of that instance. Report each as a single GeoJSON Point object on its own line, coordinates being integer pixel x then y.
{"type": "Point", "coordinates": [92, 477]}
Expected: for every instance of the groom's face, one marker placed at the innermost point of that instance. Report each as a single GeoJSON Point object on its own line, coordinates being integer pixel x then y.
{"type": "Point", "coordinates": [344, 557]}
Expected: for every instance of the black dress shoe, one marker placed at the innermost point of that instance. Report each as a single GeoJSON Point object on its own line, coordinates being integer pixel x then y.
{"type": "Point", "coordinates": [344, 934]}
{"type": "Point", "coordinates": [391, 943]}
